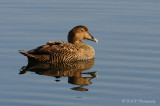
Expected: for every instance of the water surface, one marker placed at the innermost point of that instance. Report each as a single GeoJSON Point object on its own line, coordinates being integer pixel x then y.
{"type": "Point", "coordinates": [127, 55]}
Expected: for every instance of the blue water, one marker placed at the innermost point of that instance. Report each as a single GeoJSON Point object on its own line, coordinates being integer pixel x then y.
{"type": "Point", "coordinates": [127, 58]}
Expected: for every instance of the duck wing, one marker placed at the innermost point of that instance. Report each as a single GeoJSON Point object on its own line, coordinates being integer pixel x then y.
{"type": "Point", "coordinates": [53, 50]}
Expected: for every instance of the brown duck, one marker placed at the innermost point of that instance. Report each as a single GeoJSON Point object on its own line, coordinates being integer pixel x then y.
{"type": "Point", "coordinates": [59, 51]}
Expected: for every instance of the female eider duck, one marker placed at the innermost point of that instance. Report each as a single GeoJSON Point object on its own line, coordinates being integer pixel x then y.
{"type": "Point", "coordinates": [59, 51]}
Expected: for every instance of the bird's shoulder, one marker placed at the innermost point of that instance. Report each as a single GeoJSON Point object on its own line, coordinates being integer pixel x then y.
{"type": "Point", "coordinates": [54, 47]}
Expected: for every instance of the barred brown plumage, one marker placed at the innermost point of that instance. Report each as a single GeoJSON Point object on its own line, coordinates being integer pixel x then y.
{"type": "Point", "coordinates": [59, 51]}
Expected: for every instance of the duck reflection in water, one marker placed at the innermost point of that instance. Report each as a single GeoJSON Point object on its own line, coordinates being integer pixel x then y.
{"type": "Point", "coordinates": [74, 72]}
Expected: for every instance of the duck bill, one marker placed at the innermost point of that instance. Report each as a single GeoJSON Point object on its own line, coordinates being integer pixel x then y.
{"type": "Point", "coordinates": [92, 38]}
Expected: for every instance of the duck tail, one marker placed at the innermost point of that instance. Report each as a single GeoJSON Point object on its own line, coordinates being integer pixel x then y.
{"type": "Point", "coordinates": [25, 53]}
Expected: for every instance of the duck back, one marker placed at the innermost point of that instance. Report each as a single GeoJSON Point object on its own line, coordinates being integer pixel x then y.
{"type": "Point", "coordinates": [58, 51]}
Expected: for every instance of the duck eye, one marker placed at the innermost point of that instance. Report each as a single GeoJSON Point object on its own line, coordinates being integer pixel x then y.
{"type": "Point", "coordinates": [82, 30]}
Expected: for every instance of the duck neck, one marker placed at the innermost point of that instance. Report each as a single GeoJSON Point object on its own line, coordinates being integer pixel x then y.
{"type": "Point", "coordinates": [78, 42]}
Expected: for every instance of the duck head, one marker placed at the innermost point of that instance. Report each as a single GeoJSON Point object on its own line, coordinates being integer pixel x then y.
{"type": "Point", "coordinates": [79, 33]}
